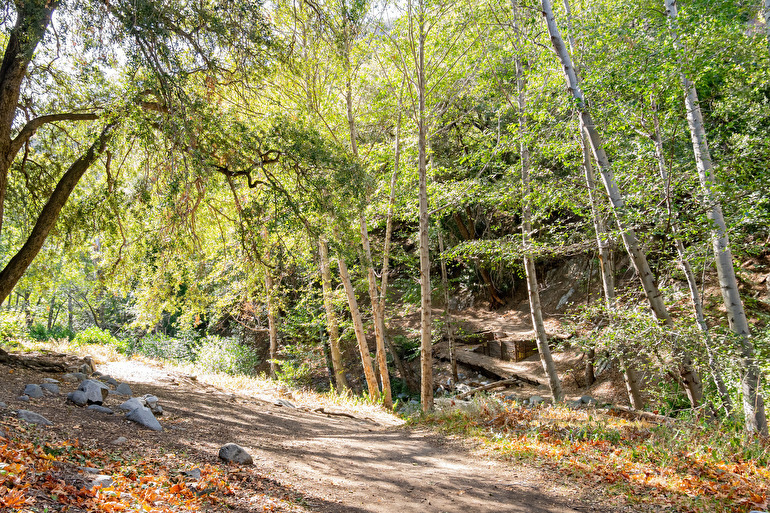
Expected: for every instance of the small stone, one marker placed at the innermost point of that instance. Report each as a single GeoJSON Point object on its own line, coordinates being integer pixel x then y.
{"type": "Point", "coordinates": [96, 392]}
{"type": "Point", "coordinates": [101, 409]}
{"type": "Point", "coordinates": [143, 416]}
{"type": "Point", "coordinates": [33, 418]}
{"type": "Point", "coordinates": [192, 474]}
{"type": "Point", "coordinates": [109, 380]}
{"type": "Point", "coordinates": [119, 440]}
{"type": "Point", "coordinates": [101, 481]}
{"type": "Point", "coordinates": [535, 400]}
{"type": "Point", "coordinates": [574, 405]}
{"type": "Point", "coordinates": [51, 380]}
{"type": "Point", "coordinates": [78, 397]}
{"type": "Point", "coordinates": [3, 434]}
{"type": "Point", "coordinates": [23, 398]}
{"type": "Point", "coordinates": [96, 374]}
{"type": "Point", "coordinates": [86, 369]}
{"type": "Point", "coordinates": [3, 405]}
{"type": "Point", "coordinates": [51, 388]}
{"type": "Point", "coordinates": [152, 403]}
{"type": "Point", "coordinates": [512, 398]}
{"type": "Point", "coordinates": [587, 399]}
{"type": "Point", "coordinates": [131, 404]}
{"type": "Point", "coordinates": [33, 391]}
{"type": "Point", "coordinates": [74, 377]}
{"type": "Point", "coordinates": [123, 389]}
{"type": "Point", "coordinates": [284, 402]}
{"type": "Point", "coordinates": [234, 453]}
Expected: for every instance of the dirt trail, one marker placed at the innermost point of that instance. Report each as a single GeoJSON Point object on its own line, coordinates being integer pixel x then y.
{"type": "Point", "coordinates": [336, 464]}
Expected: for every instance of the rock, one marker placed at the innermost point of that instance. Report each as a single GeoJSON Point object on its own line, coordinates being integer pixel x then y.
{"type": "Point", "coordinates": [587, 399]}
{"type": "Point", "coordinates": [89, 470]}
{"type": "Point", "coordinates": [33, 418]}
{"type": "Point", "coordinates": [123, 389]}
{"type": "Point", "coordinates": [143, 416]}
{"type": "Point", "coordinates": [101, 409]}
{"type": "Point", "coordinates": [283, 402]}
{"type": "Point", "coordinates": [119, 440]}
{"type": "Point", "coordinates": [3, 434]}
{"type": "Point", "coordinates": [78, 397]}
{"type": "Point", "coordinates": [234, 453]}
{"type": "Point", "coordinates": [152, 403]}
{"type": "Point", "coordinates": [33, 391]}
{"type": "Point", "coordinates": [131, 404]}
{"type": "Point", "coordinates": [96, 374]}
{"type": "Point", "coordinates": [101, 481]}
{"type": "Point", "coordinates": [3, 405]}
{"type": "Point", "coordinates": [109, 380]}
{"type": "Point", "coordinates": [535, 400]}
{"type": "Point", "coordinates": [51, 380]}
{"type": "Point", "coordinates": [462, 388]}
{"type": "Point", "coordinates": [96, 392]}
{"type": "Point", "coordinates": [574, 405]}
{"type": "Point", "coordinates": [51, 388]}
{"type": "Point", "coordinates": [192, 474]}
{"type": "Point", "coordinates": [511, 397]}
{"type": "Point", "coordinates": [23, 398]}
{"type": "Point", "coordinates": [74, 377]}
{"type": "Point", "coordinates": [86, 369]}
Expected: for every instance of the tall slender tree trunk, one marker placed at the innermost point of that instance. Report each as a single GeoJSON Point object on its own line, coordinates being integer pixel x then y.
{"type": "Point", "coordinates": [630, 375]}
{"type": "Point", "coordinates": [331, 318]}
{"type": "Point", "coordinates": [684, 263]}
{"type": "Point", "coordinates": [358, 327]}
{"type": "Point", "coordinates": [767, 22]}
{"type": "Point", "coordinates": [447, 311]}
{"type": "Point", "coordinates": [687, 372]}
{"type": "Point", "coordinates": [271, 323]}
{"type": "Point", "coordinates": [753, 403]}
{"type": "Point", "coordinates": [526, 228]}
{"type": "Point", "coordinates": [426, 342]}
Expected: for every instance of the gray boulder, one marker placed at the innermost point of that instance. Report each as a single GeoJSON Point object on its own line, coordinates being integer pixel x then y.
{"type": "Point", "coordinates": [23, 398]}
{"type": "Point", "coordinates": [78, 397]}
{"type": "Point", "coordinates": [51, 388]}
{"type": "Point", "coordinates": [143, 416]}
{"type": "Point", "coordinates": [152, 403]}
{"type": "Point", "coordinates": [234, 453]}
{"type": "Point", "coordinates": [96, 392]}
{"type": "Point", "coordinates": [192, 474]}
{"type": "Point", "coordinates": [109, 380]}
{"type": "Point", "coordinates": [33, 391]}
{"type": "Point", "coordinates": [101, 409]}
{"type": "Point", "coordinates": [86, 369]}
{"type": "Point", "coordinates": [74, 377]}
{"type": "Point", "coordinates": [587, 399]}
{"type": "Point", "coordinates": [33, 418]}
{"type": "Point", "coordinates": [119, 440]}
{"type": "Point", "coordinates": [131, 404]}
{"type": "Point", "coordinates": [574, 405]}
{"type": "Point", "coordinates": [123, 389]}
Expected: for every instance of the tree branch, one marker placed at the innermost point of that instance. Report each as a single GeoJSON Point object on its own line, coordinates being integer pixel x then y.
{"type": "Point", "coordinates": [31, 127]}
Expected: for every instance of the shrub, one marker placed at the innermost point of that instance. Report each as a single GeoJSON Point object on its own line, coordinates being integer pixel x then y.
{"type": "Point", "coordinates": [160, 346]}
{"type": "Point", "coordinates": [95, 335]}
{"type": "Point", "coordinates": [12, 326]}
{"type": "Point", "coordinates": [220, 354]}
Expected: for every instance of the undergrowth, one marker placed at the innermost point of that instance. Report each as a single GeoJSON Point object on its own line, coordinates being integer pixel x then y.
{"type": "Point", "coordinates": [685, 466]}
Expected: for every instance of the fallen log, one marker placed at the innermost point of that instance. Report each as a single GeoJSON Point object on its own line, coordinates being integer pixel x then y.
{"type": "Point", "coordinates": [510, 381]}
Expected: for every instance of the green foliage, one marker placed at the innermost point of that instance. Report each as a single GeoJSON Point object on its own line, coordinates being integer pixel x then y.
{"type": "Point", "coordinates": [95, 335]}
{"type": "Point", "coordinates": [40, 331]}
{"type": "Point", "coordinates": [225, 354]}
{"type": "Point", "coordinates": [164, 347]}
{"type": "Point", "coordinates": [12, 326]}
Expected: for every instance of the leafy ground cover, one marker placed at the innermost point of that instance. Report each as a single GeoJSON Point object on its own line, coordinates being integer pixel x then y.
{"type": "Point", "coordinates": [693, 468]}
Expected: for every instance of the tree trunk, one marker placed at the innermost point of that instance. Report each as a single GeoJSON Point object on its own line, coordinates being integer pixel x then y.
{"type": "Point", "coordinates": [426, 342]}
{"type": "Point", "coordinates": [526, 228]}
{"type": "Point", "coordinates": [692, 284]}
{"type": "Point", "coordinates": [447, 313]}
{"type": "Point", "coordinates": [767, 22]}
{"type": "Point", "coordinates": [69, 311]}
{"type": "Point", "coordinates": [358, 326]}
{"type": "Point", "coordinates": [271, 324]}
{"type": "Point", "coordinates": [51, 306]}
{"type": "Point", "coordinates": [468, 234]}
{"type": "Point", "coordinates": [687, 373]}
{"type": "Point", "coordinates": [331, 319]}
{"type": "Point", "coordinates": [16, 267]}
{"type": "Point", "coordinates": [753, 403]}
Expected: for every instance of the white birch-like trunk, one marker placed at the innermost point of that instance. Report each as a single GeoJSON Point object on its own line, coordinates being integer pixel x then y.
{"type": "Point", "coordinates": [358, 327]}
{"type": "Point", "coordinates": [684, 263]}
{"type": "Point", "coordinates": [753, 403]}
{"type": "Point", "coordinates": [331, 318]}
{"type": "Point", "coordinates": [533, 291]}
{"type": "Point", "coordinates": [426, 342]}
{"type": "Point", "coordinates": [687, 373]}
{"type": "Point", "coordinates": [630, 375]}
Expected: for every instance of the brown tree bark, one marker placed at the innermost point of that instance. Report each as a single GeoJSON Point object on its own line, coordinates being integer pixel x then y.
{"type": "Point", "coordinates": [331, 319]}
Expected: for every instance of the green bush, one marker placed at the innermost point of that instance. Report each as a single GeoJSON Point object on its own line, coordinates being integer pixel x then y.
{"type": "Point", "coordinates": [163, 347]}
{"type": "Point", "coordinates": [39, 331]}
{"type": "Point", "coordinates": [12, 326]}
{"type": "Point", "coordinates": [95, 335]}
{"type": "Point", "coordinates": [222, 354]}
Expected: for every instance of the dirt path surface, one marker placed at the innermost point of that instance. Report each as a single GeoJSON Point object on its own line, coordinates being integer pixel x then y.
{"type": "Point", "coordinates": [327, 463]}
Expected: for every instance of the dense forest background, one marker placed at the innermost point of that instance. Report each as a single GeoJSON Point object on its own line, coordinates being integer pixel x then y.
{"type": "Point", "coordinates": [262, 186]}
